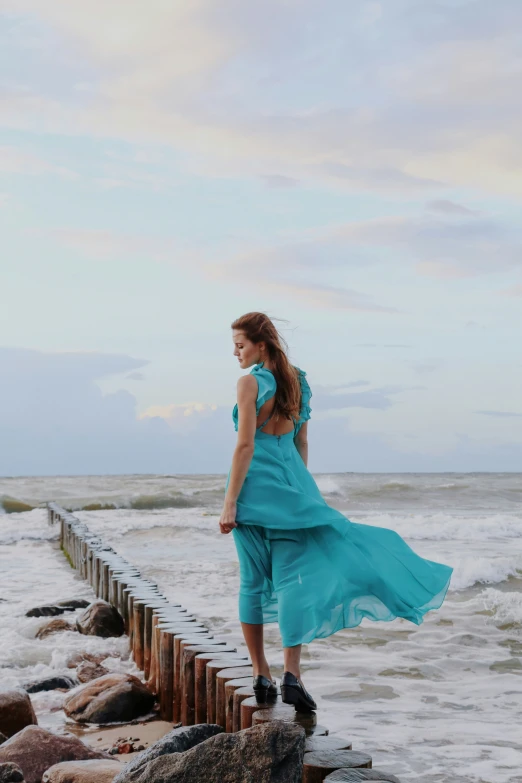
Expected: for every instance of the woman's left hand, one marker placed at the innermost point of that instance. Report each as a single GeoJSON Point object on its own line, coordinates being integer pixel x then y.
{"type": "Point", "coordinates": [227, 520]}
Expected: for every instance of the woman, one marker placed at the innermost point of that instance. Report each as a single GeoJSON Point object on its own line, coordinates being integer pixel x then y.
{"type": "Point", "coordinates": [303, 563]}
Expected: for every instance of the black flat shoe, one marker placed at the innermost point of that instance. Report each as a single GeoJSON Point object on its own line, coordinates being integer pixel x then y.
{"type": "Point", "coordinates": [293, 692]}
{"type": "Point", "coordinates": [265, 690]}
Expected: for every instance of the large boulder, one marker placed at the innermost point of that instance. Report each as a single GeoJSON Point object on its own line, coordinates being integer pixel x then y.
{"type": "Point", "coordinates": [177, 741]}
{"type": "Point", "coordinates": [269, 753]}
{"type": "Point", "coordinates": [51, 684]}
{"type": "Point", "coordinates": [101, 619]}
{"type": "Point", "coordinates": [109, 699]}
{"type": "Point", "coordinates": [54, 626]}
{"type": "Point", "coordinates": [34, 750]}
{"type": "Point", "coordinates": [16, 711]}
{"type": "Point", "coordinates": [92, 771]}
{"type": "Point", "coordinates": [51, 610]}
{"type": "Point", "coordinates": [11, 773]}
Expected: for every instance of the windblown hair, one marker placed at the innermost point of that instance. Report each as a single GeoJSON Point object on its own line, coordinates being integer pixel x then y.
{"type": "Point", "coordinates": [259, 328]}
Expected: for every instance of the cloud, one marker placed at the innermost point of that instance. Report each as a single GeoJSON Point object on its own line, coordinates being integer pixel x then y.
{"type": "Point", "coordinates": [54, 420]}
{"type": "Point", "coordinates": [236, 91]}
{"type": "Point", "coordinates": [327, 398]}
{"type": "Point", "coordinates": [514, 290]}
{"type": "Point", "coordinates": [451, 246]}
{"type": "Point", "coordinates": [446, 207]}
{"type": "Point", "coordinates": [14, 160]}
{"type": "Point", "coordinates": [104, 244]}
{"type": "Point", "coordinates": [277, 181]}
{"type": "Point", "coordinates": [500, 414]}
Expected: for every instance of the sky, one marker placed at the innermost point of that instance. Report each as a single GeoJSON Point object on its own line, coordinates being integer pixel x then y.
{"type": "Point", "coordinates": [351, 169]}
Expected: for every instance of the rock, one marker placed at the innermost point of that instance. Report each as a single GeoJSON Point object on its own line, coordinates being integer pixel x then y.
{"type": "Point", "coordinates": [53, 627]}
{"type": "Point", "coordinates": [11, 773]}
{"type": "Point", "coordinates": [51, 610]}
{"type": "Point", "coordinates": [91, 771]}
{"type": "Point", "coordinates": [268, 753]}
{"type": "Point", "coordinates": [111, 698]}
{"type": "Point", "coordinates": [101, 619]}
{"type": "Point", "coordinates": [176, 741]}
{"type": "Point", "coordinates": [88, 671]}
{"type": "Point", "coordinates": [51, 684]}
{"type": "Point", "coordinates": [16, 712]}
{"type": "Point", "coordinates": [34, 750]}
{"type": "Point", "coordinates": [77, 658]}
{"type": "Point", "coordinates": [2, 738]}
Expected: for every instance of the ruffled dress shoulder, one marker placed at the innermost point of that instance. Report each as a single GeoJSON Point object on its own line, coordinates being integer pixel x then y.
{"type": "Point", "coordinates": [266, 388]}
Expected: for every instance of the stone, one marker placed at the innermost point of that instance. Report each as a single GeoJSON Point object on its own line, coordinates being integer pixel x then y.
{"type": "Point", "coordinates": [51, 684]}
{"type": "Point", "coordinates": [269, 753]}
{"type": "Point", "coordinates": [11, 773]}
{"type": "Point", "coordinates": [177, 741]}
{"type": "Point", "coordinates": [77, 658]}
{"type": "Point", "coordinates": [16, 712]}
{"type": "Point", "coordinates": [90, 771]}
{"type": "Point", "coordinates": [35, 750]}
{"type": "Point", "coordinates": [101, 619]}
{"type": "Point", "coordinates": [51, 610]}
{"type": "Point", "coordinates": [54, 626]}
{"type": "Point", "coordinates": [109, 699]}
{"type": "Point", "coordinates": [88, 671]}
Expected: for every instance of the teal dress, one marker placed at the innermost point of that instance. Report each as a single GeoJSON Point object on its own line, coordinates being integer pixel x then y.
{"type": "Point", "coordinates": [304, 564]}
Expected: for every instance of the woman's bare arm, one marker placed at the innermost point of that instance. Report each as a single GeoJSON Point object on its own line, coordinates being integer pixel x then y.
{"type": "Point", "coordinates": [244, 451]}
{"type": "Point", "coordinates": [301, 442]}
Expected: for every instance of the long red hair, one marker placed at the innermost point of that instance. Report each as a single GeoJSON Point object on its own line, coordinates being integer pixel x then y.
{"type": "Point", "coordinates": [259, 328]}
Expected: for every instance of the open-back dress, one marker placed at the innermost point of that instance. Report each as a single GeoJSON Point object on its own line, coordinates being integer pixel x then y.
{"type": "Point", "coordinates": [303, 563]}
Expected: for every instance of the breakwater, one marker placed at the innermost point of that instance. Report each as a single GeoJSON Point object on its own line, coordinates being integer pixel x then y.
{"type": "Point", "coordinates": [195, 677]}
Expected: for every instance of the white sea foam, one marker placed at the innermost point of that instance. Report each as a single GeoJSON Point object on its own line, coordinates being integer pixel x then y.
{"type": "Point", "coordinates": [470, 571]}
{"type": "Point", "coordinates": [328, 485]}
{"type": "Point", "coordinates": [507, 606]}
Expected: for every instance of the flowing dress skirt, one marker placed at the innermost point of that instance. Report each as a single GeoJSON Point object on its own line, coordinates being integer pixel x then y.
{"type": "Point", "coordinates": [307, 566]}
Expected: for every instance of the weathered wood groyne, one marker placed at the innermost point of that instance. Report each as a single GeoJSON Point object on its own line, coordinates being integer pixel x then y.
{"type": "Point", "coordinates": [196, 677]}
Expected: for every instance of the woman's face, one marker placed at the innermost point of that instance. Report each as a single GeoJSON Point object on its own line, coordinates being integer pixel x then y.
{"type": "Point", "coordinates": [247, 352]}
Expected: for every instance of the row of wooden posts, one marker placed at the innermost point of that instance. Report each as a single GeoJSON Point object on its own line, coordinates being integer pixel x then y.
{"type": "Point", "coordinates": [196, 677]}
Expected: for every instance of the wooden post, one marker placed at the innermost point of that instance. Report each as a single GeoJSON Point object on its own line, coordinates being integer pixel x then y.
{"type": "Point", "coordinates": [286, 713]}
{"type": "Point", "coordinates": [248, 707]}
{"type": "Point", "coordinates": [200, 676]}
{"type": "Point", "coordinates": [319, 764]}
{"type": "Point", "coordinates": [166, 665]}
{"type": "Point", "coordinates": [187, 677]}
{"type": "Point", "coordinates": [190, 638]}
{"type": "Point", "coordinates": [230, 687]}
{"type": "Point", "coordinates": [222, 678]}
{"type": "Point", "coordinates": [347, 775]}
{"type": "Point", "coordinates": [105, 582]}
{"type": "Point", "coordinates": [213, 667]}
{"type": "Point", "coordinates": [316, 743]}
{"type": "Point", "coordinates": [138, 632]}
{"type": "Point", "coordinates": [150, 608]}
{"type": "Point", "coordinates": [239, 697]}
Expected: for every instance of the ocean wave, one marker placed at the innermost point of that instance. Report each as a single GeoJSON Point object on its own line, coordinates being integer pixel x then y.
{"type": "Point", "coordinates": [507, 607]}
{"type": "Point", "coordinates": [190, 498]}
{"type": "Point", "coordinates": [441, 526]}
{"type": "Point", "coordinates": [469, 571]}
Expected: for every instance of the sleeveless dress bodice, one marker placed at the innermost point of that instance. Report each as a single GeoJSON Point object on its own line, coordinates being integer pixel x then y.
{"type": "Point", "coordinates": [304, 563]}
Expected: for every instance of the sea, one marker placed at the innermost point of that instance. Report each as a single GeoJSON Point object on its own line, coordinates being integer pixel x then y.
{"type": "Point", "coordinates": [440, 702]}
